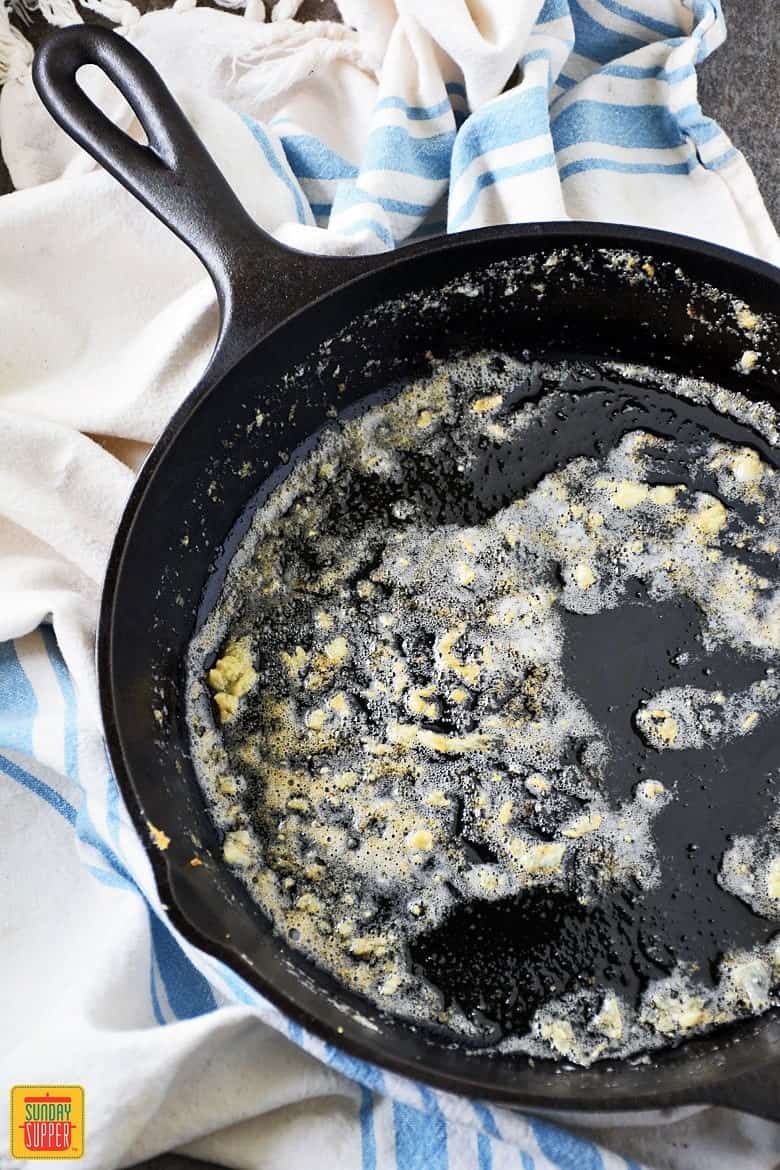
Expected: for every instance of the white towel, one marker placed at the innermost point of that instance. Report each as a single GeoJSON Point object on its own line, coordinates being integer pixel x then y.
{"type": "Point", "coordinates": [337, 139]}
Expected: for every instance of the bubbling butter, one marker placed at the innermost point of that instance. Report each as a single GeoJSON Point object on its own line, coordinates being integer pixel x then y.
{"type": "Point", "coordinates": [390, 715]}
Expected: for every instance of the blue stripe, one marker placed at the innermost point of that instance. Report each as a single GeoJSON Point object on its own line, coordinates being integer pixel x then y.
{"type": "Point", "coordinates": [455, 88]}
{"type": "Point", "coordinates": [488, 178]}
{"type": "Point", "coordinates": [539, 55]}
{"type": "Point", "coordinates": [662, 27]}
{"type": "Point", "coordinates": [69, 697]}
{"type": "Point", "coordinates": [112, 806]}
{"type": "Point", "coordinates": [598, 43]}
{"type": "Point", "coordinates": [415, 113]}
{"type": "Point", "coordinates": [535, 55]}
{"type": "Point", "coordinates": [107, 877]}
{"type": "Point", "coordinates": [625, 168]}
{"type": "Point", "coordinates": [692, 121]}
{"type": "Point", "coordinates": [239, 989]}
{"type": "Point", "coordinates": [438, 1121]}
{"type": "Point", "coordinates": [84, 827]}
{"type": "Point", "coordinates": [391, 148]}
{"type": "Point", "coordinates": [352, 195]}
{"type": "Point", "coordinates": [40, 788]}
{"type": "Point", "coordinates": [321, 209]}
{"type": "Point", "coordinates": [403, 206]}
{"type": "Point", "coordinates": [486, 1118]}
{"type": "Point", "coordinates": [553, 10]}
{"type": "Point", "coordinates": [516, 118]}
{"type": "Point", "coordinates": [565, 82]}
{"type": "Point", "coordinates": [79, 818]}
{"type": "Point", "coordinates": [357, 1070]}
{"type": "Point", "coordinates": [371, 225]}
{"type": "Point", "coordinates": [705, 8]}
{"type": "Point", "coordinates": [19, 704]}
{"type": "Point", "coordinates": [647, 72]}
{"type": "Point", "coordinates": [295, 1032]}
{"type": "Point", "coordinates": [649, 127]}
{"type": "Point", "coordinates": [89, 835]}
{"type": "Point", "coordinates": [188, 992]}
{"type": "Point", "coordinates": [271, 157]}
{"type": "Point", "coordinates": [720, 159]}
{"type": "Point", "coordinates": [565, 1150]}
{"type": "Point", "coordinates": [489, 1130]}
{"type": "Point", "coordinates": [367, 1136]}
{"type": "Point", "coordinates": [420, 1139]}
{"type": "Point", "coordinates": [484, 1152]}
{"type": "Point", "coordinates": [156, 1006]}
{"type": "Point", "coordinates": [310, 158]}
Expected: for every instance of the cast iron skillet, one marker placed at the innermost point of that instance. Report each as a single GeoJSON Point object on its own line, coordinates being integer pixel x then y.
{"type": "Point", "coordinates": [189, 506]}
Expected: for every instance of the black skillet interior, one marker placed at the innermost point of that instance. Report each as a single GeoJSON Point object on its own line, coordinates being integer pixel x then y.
{"type": "Point", "coordinates": [578, 290]}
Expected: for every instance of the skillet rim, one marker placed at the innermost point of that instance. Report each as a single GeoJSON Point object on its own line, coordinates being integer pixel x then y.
{"type": "Point", "coordinates": [702, 1090]}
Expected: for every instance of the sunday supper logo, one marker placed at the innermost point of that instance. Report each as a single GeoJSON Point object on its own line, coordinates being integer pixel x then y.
{"type": "Point", "coordinates": [47, 1121]}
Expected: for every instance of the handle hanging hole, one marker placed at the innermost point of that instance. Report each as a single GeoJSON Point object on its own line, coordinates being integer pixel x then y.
{"type": "Point", "coordinates": [109, 99]}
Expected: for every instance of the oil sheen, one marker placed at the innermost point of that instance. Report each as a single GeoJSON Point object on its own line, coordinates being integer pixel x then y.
{"type": "Point", "coordinates": [487, 708]}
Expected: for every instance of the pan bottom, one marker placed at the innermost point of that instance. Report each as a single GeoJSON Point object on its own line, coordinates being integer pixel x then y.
{"type": "Point", "coordinates": [495, 674]}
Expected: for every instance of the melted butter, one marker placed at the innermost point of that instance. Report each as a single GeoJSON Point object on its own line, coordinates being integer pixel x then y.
{"type": "Point", "coordinates": [231, 677]}
{"type": "Point", "coordinates": [414, 694]}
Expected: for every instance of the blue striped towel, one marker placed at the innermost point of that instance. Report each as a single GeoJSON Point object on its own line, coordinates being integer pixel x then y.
{"type": "Point", "coordinates": [599, 120]}
{"type": "Point", "coordinates": [426, 117]}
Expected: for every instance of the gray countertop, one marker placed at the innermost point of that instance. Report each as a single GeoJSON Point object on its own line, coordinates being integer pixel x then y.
{"type": "Point", "coordinates": [739, 86]}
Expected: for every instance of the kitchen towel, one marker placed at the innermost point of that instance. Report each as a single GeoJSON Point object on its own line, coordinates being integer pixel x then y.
{"type": "Point", "coordinates": [407, 119]}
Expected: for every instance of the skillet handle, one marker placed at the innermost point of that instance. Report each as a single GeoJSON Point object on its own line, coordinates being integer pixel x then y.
{"type": "Point", "coordinates": [259, 282]}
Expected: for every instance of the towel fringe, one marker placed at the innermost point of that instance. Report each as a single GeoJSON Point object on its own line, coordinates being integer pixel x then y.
{"type": "Point", "coordinates": [16, 52]}
{"type": "Point", "coordinates": [285, 9]}
{"type": "Point", "coordinates": [60, 13]}
{"type": "Point", "coordinates": [295, 45]}
{"type": "Point", "coordinates": [120, 12]}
